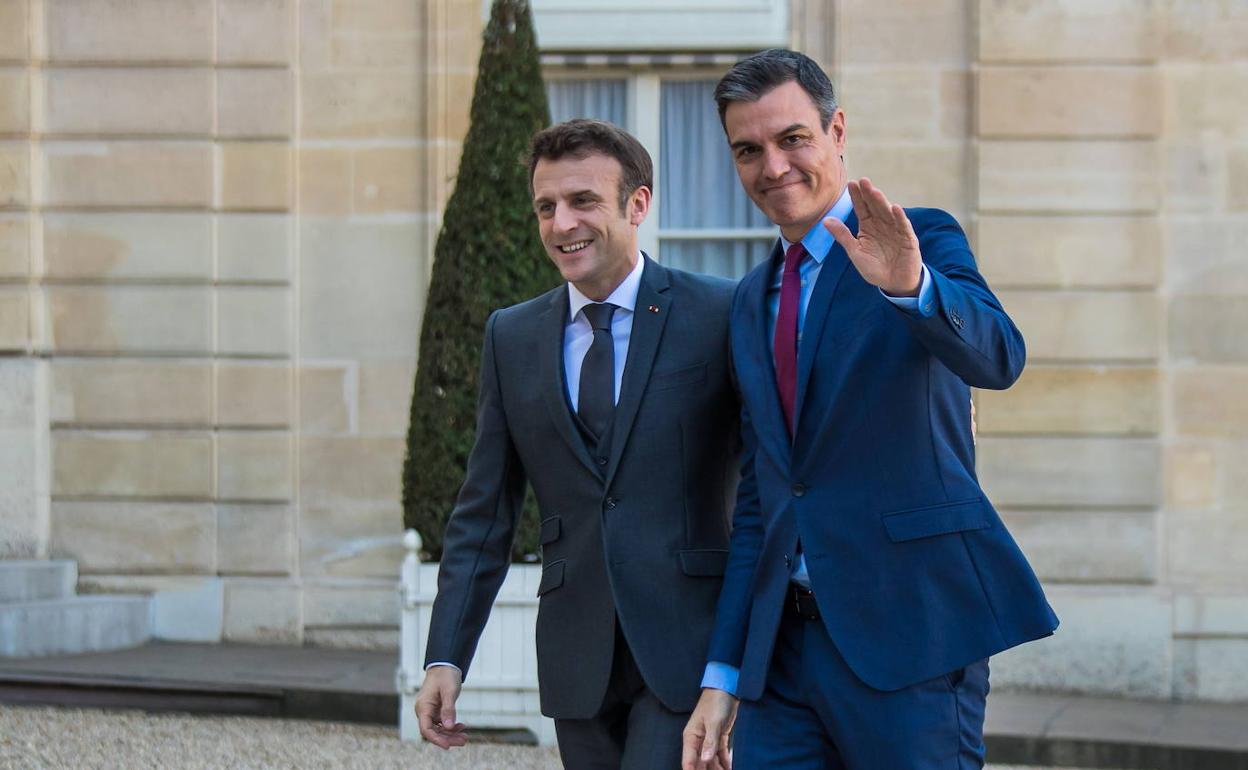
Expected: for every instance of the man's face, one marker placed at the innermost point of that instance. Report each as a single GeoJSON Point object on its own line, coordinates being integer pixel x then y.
{"type": "Point", "coordinates": [790, 167]}
{"type": "Point", "coordinates": [586, 235]}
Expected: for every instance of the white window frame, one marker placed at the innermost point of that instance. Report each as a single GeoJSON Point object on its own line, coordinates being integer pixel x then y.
{"type": "Point", "coordinates": [643, 87]}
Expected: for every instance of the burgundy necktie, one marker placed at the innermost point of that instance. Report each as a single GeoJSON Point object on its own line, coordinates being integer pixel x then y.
{"type": "Point", "coordinates": [786, 331]}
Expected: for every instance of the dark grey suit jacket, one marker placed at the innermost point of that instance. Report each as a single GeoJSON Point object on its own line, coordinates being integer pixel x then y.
{"type": "Point", "coordinates": [640, 533]}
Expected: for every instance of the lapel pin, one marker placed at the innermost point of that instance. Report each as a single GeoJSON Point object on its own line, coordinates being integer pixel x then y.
{"type": "Point", "coordinates": [654, 308]}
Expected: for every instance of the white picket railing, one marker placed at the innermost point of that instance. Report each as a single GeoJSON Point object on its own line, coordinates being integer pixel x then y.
{"type": "Point", "coordinates": [501, 690]}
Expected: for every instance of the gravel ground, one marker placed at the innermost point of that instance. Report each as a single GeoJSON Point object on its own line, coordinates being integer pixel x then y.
{"type": "Point", "coordinates": [34, 738]}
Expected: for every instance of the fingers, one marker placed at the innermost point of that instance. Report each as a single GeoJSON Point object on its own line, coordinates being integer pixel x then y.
{"type": "Point", "coordinates": [435, 711]}
{"type": "Point", "coordinates": [841, 233]}
{"type": "Point", "coordinates": [692, 743]}
{"type": "Point", "coordinates": [710, 747]}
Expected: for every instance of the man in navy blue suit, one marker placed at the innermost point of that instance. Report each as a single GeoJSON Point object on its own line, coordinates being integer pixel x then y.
{"type": "Point", "coordinates": [869, 579]}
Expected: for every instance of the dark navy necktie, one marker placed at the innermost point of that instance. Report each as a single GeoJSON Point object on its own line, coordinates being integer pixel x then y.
{"type": "Point", "coordinates": [596, 397]}
{"type": "Point", "coordinates": [786, 331]}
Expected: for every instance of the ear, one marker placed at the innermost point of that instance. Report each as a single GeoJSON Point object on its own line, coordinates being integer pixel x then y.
{"type": "Point", "coordinates": [639, 206]}
{"type": "Point", "coordinates": [836, 130]}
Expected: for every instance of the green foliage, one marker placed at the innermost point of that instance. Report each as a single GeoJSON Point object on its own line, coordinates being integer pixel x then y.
{"type": "Point", "coordinates": [488, 256]}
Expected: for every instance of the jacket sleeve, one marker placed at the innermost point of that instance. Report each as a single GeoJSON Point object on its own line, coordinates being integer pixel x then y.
{"type": "Point", "coordinates": [479, 535]}
{"type": "Point", "coordinates": [968, 331]}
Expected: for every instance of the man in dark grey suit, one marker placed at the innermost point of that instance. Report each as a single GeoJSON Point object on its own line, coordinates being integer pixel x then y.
{"type": "Point", "coordinates": [612, 396]}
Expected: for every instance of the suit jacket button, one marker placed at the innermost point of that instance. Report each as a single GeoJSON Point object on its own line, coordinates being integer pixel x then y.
{"type": "Point", "coordinates": [799, 490]}
{"type": "Point", "coordinates": [602, 461]}
{"type": "Point", "coordinates": [788, 560]}
{"type": "Point", "coordinates": [610, 503]}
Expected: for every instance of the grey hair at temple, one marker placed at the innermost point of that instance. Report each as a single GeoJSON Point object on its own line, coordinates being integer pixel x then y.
{"type": "Point", "coordinates": [753, 76]}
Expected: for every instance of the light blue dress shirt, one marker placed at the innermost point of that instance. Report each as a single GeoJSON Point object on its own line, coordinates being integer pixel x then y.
{"type": "Point", "coordinates": [818, 242]}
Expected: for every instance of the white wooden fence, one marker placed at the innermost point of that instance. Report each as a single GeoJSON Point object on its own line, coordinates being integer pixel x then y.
{"type": "Point", "coordinates": [501, 690]}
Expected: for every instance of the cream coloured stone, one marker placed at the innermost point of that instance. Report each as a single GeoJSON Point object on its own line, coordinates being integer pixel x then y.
{"type": "Point", "coordinates": [1200, 329]}
{"type": "Point", "coordinates": [128, 30]}
{"type": "Point", "coordinates": [255, 539]}
{"type": "Point", "coordinates": [1232, 484]}
{"type": "Point", "coordinates": [254, 103]}
{"type": "Point", "coordinates": [362, 106]}
{"type": "Point", "coordinates": [184, 609]}
{"type": "Point", "coordinates": [1211, 614]}
{"type": "Point", "coordinates": [1088, 546]}
{"type": "Point", "coordinates": [254, 466]}
{"type": "Point", "coordinates": [23, 459]}
{"type": "Point", "coordinates": [14, 35]}
{"type": "Point", "coordinates": [253, 247]}
{"type": "Point", "coordinates": [1195, 178]}
{"type": "Point", "coordinates": [14, 101]}
{"type": "Point", "coordinates": [1069, 102]}
{"type": "Point", "coordinates": [387, 179]}
{"type": "Point", "coordinates": [265, 611]}
{"type": "Point", "coordinates": [14, 318]}
{"type": "Point", "coordinates": [351, 540]}
{"type": "Point", "coordinates": [14, 246]}
{"type": "Point", "coordinates": [1211, 669]}
{"type": "Point", "coordinates": [357, 603]}
{"type": "Point", "coordinates": [166, 319]}
{"type": "Point", "coordinates": [315, 36]}
{"type": "Point", "coordinates": [131, 392]}
{"type": "Point", "coordinates": [1237, 179]}
{"type": "Point", "coordinates": [1209, 401]}
{"type": "Point", "coordinates": [343, 470]}
{"type": "Point", "coordinates": [400, 50]}
{"type": "Point", "coordinates": [1209, 549]}
{"type": "Point", "coordinates": [325, 181]}
{"type": "Point", "coordinates": [385, 397]}
{"type": "Point", "coordinates": [384, 16]}
{"type": "Point", "coordinates": [1204, 255]}
{"type": "Point", "coordinates": [328, 398]}
{"type": "Point", "coordinates": [362, 289]}
{"type": "Point", "coordinates": [127, 245]}
{"type": "Point", "coordinates": [113, 174]}
{"type": "Point", "coordinates": [135, 537]}
{"type": "Point", "coordinates": [253, 320]}
{"type": "Point", "coordinates": [1069, 177]}
{"type": "Point", "coordinates": [890, 103]}
{"type": "Point", "coordinates": [1070, 252]}
{"type": "Point", "coordinates": [14, 174]}
{"type": "Point", "coordinates": [1086, 326]}
{"type": "Point", "coordinates": [1113, 641]}
{"type": "Point", "coordinates": [1034, 471]}
{"type": "Point", "coordinates": [353, 638]}
{"type": "Point", "coordinates": [254, 31]}
{"type": "Point", "coordinates": [1204, 101]}
{"type": "Point", "coordinates": [903, 31]}
{"type": "Point", "coordinates": [117, 464]}
{"type": "Point", "coordinates": [1069, 30]}
{"type": "Point", "coordinates": [127, 101]}
{"type": "Point", "coordinates": [255, 176]}
{"type": "Point", "coordinates": [914, 175]}
{"type": "Point", "coordinates": [1075, 400]}
{"type": "Point", "coordinates": [1191, 477]}
{"type": "Point", "coordinates": [1205, 31]}
{"type": "Point", "coordinates": [253, 394]}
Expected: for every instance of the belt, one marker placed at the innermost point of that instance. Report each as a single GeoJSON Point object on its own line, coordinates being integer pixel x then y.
{"type": "Point", "coordinates": [801, 602]}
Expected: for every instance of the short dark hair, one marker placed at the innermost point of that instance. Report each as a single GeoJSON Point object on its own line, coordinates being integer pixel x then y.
{"type": "Point", "coordinates": [753, 76]}
{"type": "Point", "coordinates": [581, 138]}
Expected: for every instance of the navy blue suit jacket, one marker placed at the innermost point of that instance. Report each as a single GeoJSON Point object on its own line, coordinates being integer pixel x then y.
{"type": "Point", "coordinates": [914, 573]}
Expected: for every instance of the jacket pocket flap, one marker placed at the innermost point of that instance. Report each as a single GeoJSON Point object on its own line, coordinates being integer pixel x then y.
{"type": "Point", "coordinates": [943, 519]}
{"type": "Point", "coordinates": [551, 528]}
{"type": "Point", "coordinates": [677, 377]}
{"type": "Point", "coordinates": [708, 562]}
{"type": "Point", "coordinates": [552, 577]}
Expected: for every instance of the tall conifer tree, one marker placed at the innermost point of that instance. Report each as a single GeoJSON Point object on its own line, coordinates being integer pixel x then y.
{"type": "Point", "coordinates": [488, 256]}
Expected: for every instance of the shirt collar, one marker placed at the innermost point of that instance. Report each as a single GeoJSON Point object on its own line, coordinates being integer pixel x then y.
{"type": "Point", "coordinates": [818, 241]}
{"type": "Point", "coordinates": [624, 296]}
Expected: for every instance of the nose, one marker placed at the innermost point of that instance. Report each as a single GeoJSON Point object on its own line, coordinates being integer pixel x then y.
{"type": "Point", "coordinates": [564, 219]}
{"type": "Point", "coordinates": [775, 163]}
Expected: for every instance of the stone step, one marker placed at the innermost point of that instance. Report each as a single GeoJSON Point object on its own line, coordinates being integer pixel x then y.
{"type": "Point", "coordinates": [74, 625]}
{"type": "Point", "coordinates": [29, 581]}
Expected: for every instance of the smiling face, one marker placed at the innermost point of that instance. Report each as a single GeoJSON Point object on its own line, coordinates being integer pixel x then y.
{"type": "Point", "coordinates": [589, 237]}
{"type": "Point", "coordinates": [790, 167]}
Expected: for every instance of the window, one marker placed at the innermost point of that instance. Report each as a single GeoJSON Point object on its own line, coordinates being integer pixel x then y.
{"type": "Point", "coordinates": [701, 219]}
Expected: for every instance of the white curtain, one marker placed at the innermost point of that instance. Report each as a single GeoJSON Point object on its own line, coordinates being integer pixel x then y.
{"type": "Point", "coordinates": [700, 189]}
{"type": "Point", "coordinates": [598, 99]}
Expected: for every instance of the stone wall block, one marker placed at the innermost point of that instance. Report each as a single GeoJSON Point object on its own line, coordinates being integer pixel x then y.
{"type": "Point", "coordinates": [253, 320]}
{"type": "Point", "coordinates": [1087, 546]}
{"type": "Point", "coordinates": [350, 605]}
{"type": "Point", "coordinates": [1109, 472]}
{"type": "Point", "coordinates": [1075, 400]}
{"type": "Point", "coordinates": [387, 179]}
{"type": "Point", "coordinates": [1069, 177]}
{"type": "Point", "coordinates": [135, 538]}
{"type": "Point", "coordinates": [254, 466]}
{"type": "Point", "coordinates": [350, 470]}
{"type": "Point", "coordinates": [385, 397]}
{"type": "Point", "coordinates": [157, 31]}
{"type": "Point", "coordinates": [1204, 255]}
{"type": "Point", "coordinates": [129, 101]}
{"type": "Point", "coordinates": [328, 398]}
{"type": "Point", "coordinates": [253, 394]}
{"type": "Point", "coordinates": [915, 175]}
{"type": "Point", "coordinates": [104, 392]}
{"type": "Point", "coordinates": [1206, 102]}
{"type": "Point", "coordinates": [363, 105]}
{"type": "Point", "coordinates": [255, 31]}
{"type": "Point", "coordinates": [110, 246]}
{"type": "Point", "coordinates": [262, 611]}
{"type": "Point", "coordinates": [1069, 30]}
{"type": "Point", "coordinates": [253, 247]}
{"type": "Point", "coordinates": [1191, 476]}
{"type": "Point", "coordinates": [256, 176]}
{"type": "Point", "coordinates": [139, 319]}
{"type": "Point", "coordinates": [1200, 329]}
{"type": "Point", "coordinates": [1069, 102]}
{"type": "Point", "coordinates": [14, 100]}
{"type": "Point", "coordinates": [112, 174]}
{"type": "Point", "coordinates": [14, 247]}
{"type": "Point", "coordinates": [1070, 252]}
{"type": "Point", "coordinates": [904, 31]}
{"type": "Point", "coordinates": [119, 464]}
{"type": "Point", "coordinates": [15, 331]}
{"type": "Point", "coordinates": [255, 539]}
{"type": "Point", "coordinates": [1087, 326]}
{"type": "Point", "coordinates": [254, 103]}
{"type": "Point", "coordinates": [14, 32]}
{"type": "Point", "coordinates": [891, 103]}
{"type": "Point", "coordinates": [14, 175]}
{"type": "Point", "coordinates": [350, 541]}
{"type": "Point", "coordinates": [1209, 550]}
{"type": "Point", "coordinates": [325, 181]}
{"type": "Point", "coordinates": [1209, 401]}
{"type": "Point", "coordinates": [1211, 670]}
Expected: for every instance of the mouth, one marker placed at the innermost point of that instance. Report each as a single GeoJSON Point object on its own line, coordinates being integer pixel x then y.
{"type": "Point", "coordinates": [573, 248]}
{"type": "Point", "coordinates": [783, 186]}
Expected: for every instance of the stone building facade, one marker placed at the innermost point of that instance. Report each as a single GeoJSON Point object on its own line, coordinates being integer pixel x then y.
{"type": "Point", "coordinates": [216, 219]}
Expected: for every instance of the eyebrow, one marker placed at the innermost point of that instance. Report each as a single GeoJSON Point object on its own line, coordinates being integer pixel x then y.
{"type": "Point", "coordinates": [786, 130]}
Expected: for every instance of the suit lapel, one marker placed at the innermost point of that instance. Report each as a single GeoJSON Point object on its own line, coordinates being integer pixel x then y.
{"type": "Point", "coordinates": [769, 424]}
{"type": "Point", "coordinates": [834, 266]}
{"type": "Point", "coordinates": [643, 346]}
{"type": "Point", "coordinates": [550, 350]}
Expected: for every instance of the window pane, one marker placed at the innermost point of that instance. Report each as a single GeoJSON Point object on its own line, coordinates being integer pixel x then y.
{"type": "Point", "coordinates": [698, 182]}
{"type": "Point", "coordinates": [728, 259]}
{"type": "Point", "coordinates": [599, 99]}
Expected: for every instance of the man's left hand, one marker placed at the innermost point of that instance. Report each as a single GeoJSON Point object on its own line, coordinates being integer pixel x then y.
{"type": "Point", "coordinates": [707, 735]}
{"type": "Point", "coordinates": [886, 250]}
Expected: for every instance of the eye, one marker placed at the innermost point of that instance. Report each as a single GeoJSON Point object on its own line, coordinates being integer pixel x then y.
{"type": "Point", "coordinates": [544, 209]}
{"type": "Point", "coordinates": [745, 153]}
{"type": "Point", "coordinates": [792, 140]}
